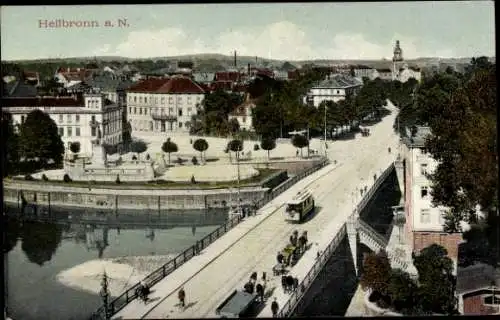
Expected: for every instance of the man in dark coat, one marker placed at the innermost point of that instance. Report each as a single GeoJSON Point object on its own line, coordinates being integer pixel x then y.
{"type": "Point", "coordinates": [275, 308]}
{"type": "Point", "coordinates": [260, 291]}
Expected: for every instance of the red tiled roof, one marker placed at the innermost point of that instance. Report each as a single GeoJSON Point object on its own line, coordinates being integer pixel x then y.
{"type": "Point", "coordinates": [227, 76]}
{"type": "Point", "coordinates": [174, 85]}
{"type": "Point", "coordinates": [221, 85]}
{"type": "Point", "coordinates": [30, 74]}
{"type": "Point", "coordinates": [69, 101]}
{"type": "Point", "coordinates": [240, 88]}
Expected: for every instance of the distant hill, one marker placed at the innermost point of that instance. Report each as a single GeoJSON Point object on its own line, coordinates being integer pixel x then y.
{"type": "Point", "coordinates": [214, 59]}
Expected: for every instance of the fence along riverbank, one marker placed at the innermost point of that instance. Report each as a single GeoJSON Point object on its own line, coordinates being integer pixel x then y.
{"type": "Point", "coordinates": [156, 276]}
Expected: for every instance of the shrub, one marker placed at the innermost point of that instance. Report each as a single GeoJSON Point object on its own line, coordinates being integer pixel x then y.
{"type": "Point", "coordinates": [44, 177]}
{"type": "Point", "coordinates": [194, 161]}
{"type": "Point", "coordinates": [28, 177]}
{"type": "Point", "coordinates": [256, 147]}
{"type": "Point", "coordinates": [138, 146]}
{"type": "Point", "coordinates": [66, 178]}
{"type": "Point", "coordinates": [376, 272]}
{"type": "Point", "coordinates": [118, 179]}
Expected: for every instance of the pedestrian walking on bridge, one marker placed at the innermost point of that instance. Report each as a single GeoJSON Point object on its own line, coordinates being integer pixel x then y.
{"type": "Point", "coordinates": [275, 308]}
{"type": "Point", "coordinates": [182, 298]}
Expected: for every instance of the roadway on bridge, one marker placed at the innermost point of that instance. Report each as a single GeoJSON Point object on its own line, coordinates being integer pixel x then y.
{"type": "Point", "coordinates": [255, 250]}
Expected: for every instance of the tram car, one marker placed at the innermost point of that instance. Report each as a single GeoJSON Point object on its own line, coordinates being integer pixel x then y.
{"type": "Point", "coordinates": [301, 205]}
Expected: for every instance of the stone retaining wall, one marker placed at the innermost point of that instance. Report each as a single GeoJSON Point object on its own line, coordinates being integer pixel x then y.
{"type": "Point", "coordinates": [111, 199]}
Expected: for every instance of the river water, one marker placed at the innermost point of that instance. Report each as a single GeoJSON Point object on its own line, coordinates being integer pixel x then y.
{"type": "Point", "coordinates": [36, 252]}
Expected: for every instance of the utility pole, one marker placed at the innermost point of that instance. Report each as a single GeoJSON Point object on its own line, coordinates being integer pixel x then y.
{"type": "Point", "coordinates": [325, 134]}
{"type": "Point", "coordinates": [238, 184]}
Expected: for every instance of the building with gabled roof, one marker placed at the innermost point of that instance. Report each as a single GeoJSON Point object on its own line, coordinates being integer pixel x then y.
{"type": "Point", "coordinates": [243, 114]}
{"type": "Point", "coordinates": [334, 88]}
{"type": "Point", "coordinates": [165, 104]}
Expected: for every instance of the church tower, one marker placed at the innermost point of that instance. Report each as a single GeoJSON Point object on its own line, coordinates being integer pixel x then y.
{"type": "Point", "coordinates": [397, 60]}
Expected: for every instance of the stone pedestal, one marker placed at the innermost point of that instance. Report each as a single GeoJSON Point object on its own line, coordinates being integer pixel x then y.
{"type": "Point", "coordinates": [98, 155]}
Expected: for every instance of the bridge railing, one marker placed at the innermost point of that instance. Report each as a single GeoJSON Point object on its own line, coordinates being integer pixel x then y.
{"type": "Point", "coordinates": [297, 295]}
{"type": "Point", "coordinates": [156, 276]}
{"type": "Point", "coordinates": [380, 239]}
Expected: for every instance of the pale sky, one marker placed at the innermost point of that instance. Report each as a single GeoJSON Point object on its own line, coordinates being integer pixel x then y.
{"type": "Point", "coordinates": [285, 31]}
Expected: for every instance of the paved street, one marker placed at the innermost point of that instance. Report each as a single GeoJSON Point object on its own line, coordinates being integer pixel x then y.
{"type": "Point", "coordinates": [226, 265]}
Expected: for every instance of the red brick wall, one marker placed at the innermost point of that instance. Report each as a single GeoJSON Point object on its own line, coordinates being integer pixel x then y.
{"type": "Point", "coordinates": [448, 240]}
{"type": "Point", "coordinates": [474, 305]}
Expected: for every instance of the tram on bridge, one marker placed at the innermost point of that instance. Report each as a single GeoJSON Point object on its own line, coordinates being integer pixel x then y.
{"type": "Point", "coordinates": [301, 205]}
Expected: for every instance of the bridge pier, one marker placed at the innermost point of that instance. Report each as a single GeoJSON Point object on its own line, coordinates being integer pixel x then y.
{"type": "Point", "coordinates": [400, 173]}
{"type": "Point", "coordinates": [352, 237]}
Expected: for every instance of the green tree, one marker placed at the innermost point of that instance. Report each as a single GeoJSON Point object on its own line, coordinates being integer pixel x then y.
{"type": "Point", "coordinates": [138, 146]}
{"type": "Point", "coordinates": [402, 291]}
{"type": "Point", "coordinates": [169, 147]}
{"type": "Point", "coordinates": [299, 141]}
{"type": "Point", "coordinates": [39, 139]}
{"type": "Point", "coordinates": [10, 145]}
{"type": "Point", "coordinates": [462, 116]}
{"type": "Point", "coordinates": [376, 272]}
{"type": "Point", "coordinates": [268, 144]}
{"type": "Point", "coordinates": [75, 147]}
{"type": "Point", "coordinates": [234, 126]}
{"type": "Point", "coordinates": [437, 283]}
{"type": "Point", "coordinates": [235, 146]}
{"type": "Point", "coordinates": [200, 145]}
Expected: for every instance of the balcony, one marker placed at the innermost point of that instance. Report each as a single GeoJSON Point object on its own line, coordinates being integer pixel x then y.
{"type": "Point", "coordinates": [163, 116]}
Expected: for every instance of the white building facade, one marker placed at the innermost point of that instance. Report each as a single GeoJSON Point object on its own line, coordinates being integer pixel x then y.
{"type": "Point", "coordinates": [88, 119]}
{"type": "Point", "coordinates": [424, 221]}
{"type": "Point", "coordinates": [164, 105]}
{"type": "Point", "coordinates": [243, 114]}
{"type": "Point", "coordinates": [334, 88]}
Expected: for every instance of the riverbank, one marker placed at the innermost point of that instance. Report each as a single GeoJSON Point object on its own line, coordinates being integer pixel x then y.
{"type": "Point", "coordinates": [122, 272]}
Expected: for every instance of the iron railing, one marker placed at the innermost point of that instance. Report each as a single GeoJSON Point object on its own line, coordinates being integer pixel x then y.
{"type": "Point", "coordinates": [297, 295]}
{"type": "Point", "coordinates": [156, 276]}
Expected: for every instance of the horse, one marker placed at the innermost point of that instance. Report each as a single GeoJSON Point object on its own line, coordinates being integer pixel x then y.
{"type": "Point", "coordinates": [289, 283]}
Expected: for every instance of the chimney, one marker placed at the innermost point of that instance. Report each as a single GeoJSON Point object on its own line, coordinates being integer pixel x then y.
{"type": "Point", "coordinates": [248, 69]}
{"type": "Point", "coordinates": [235, 58]}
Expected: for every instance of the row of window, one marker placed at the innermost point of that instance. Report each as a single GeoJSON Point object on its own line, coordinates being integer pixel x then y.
{"type": "Point", "coordinates": [162, 100]}
{"type": "Point", "coordinates": [69, 131]}
{"type": "Point", "coordinates": [325, 91]}
{"type": "Point", "coordinates": [144, 111]}
{"type": "Point", "coordinates": [69, 118]}
{"type": "Point", "coordinates": [425, 216]}
{"type": "Point", "coordinates": [159, 126]}
{"type": "Point", "coordinates": [93, 103]}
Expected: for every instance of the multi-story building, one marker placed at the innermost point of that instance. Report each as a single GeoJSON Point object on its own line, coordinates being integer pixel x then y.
{"type": "Point", "coordinates": [88, 119]}
{"type": "Point", "coordinates": [424, 221]}
{"type": "Point", "coordinates": [361, 71]}
{"type": "Point", "coordinates": [164, 105]}
{"type": "Point", "coordinates": [71, 76]}
{"type": "Point", "coordinates": [335, 87]}
{"type": "Point", "coordinates": [243, 114]}
{"type": "Point", "coordinates": [406, 73]}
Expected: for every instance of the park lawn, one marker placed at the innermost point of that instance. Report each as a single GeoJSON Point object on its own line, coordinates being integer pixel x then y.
{"type": "Point", "coordinates": [264, 173]}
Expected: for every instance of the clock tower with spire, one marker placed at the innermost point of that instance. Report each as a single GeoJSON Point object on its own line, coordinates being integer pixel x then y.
{"type": "Point", "coordinates": [397, 60]}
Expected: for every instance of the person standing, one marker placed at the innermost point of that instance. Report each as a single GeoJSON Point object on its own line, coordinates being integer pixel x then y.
{"type": "Point", "coordinates": [275, 308]}
{"type": "Point", "coordinates": [182, 298]}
